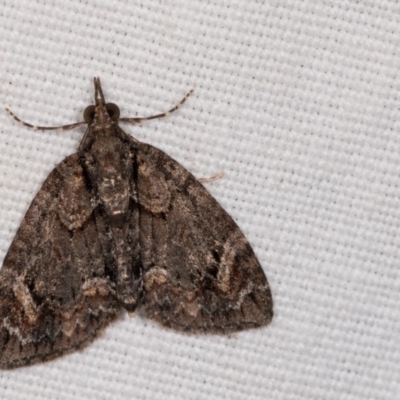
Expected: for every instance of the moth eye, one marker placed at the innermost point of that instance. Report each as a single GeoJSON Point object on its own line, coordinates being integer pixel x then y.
{"type": "Point", "coordinates": [113, 111]}
{"type": "Point", "coordinates": [88, 114]}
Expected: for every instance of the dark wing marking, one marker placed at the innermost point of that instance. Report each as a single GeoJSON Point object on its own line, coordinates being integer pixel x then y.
{"type": "Point", "coordinates": [200, 273]}
{"type": "Point", "coordinates": [49, 303]}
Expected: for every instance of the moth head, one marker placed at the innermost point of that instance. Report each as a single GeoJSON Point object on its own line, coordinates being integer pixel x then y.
{"type": "Point", "coordinates": [101, 108]}
{"type": "Point", "coordinates": [111, 108]}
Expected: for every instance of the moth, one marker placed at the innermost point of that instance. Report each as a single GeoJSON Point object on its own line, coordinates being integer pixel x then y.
{"type": "Point", "coordinates": [121, 225]}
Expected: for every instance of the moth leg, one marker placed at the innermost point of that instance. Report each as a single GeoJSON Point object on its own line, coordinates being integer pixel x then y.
{"type": "Point", "coordinates": [139, 120]}
{"type": "Point", "coordinates": [45, 128]}
{"type": "Point", "coordinates": [212, 178]}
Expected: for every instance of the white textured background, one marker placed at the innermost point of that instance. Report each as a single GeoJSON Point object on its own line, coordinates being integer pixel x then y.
{"type": "Point", "coordinates": [298, 102]}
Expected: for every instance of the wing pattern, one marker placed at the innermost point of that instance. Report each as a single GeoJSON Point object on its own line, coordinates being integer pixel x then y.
{"type": "Point", "coordinates": [49, 305]}
{"type": "Point", "coordinates": [200, 273]}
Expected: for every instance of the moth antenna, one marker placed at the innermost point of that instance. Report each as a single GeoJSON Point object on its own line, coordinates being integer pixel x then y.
{"type": "Point", "coordinates": [139, 120]}
{"type": "Point", "coordinates": [45, 128]}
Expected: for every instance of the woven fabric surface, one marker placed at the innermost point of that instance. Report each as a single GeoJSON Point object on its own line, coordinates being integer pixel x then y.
{"type": "Point", "coordinates": [298, 103]}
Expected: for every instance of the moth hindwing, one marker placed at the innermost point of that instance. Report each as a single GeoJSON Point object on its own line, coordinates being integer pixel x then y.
{"type": "Point", "coordinates": [120, 224]}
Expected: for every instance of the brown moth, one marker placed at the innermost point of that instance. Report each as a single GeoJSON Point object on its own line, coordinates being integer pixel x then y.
{"type": "Point", "coordinates": [120, 224]}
